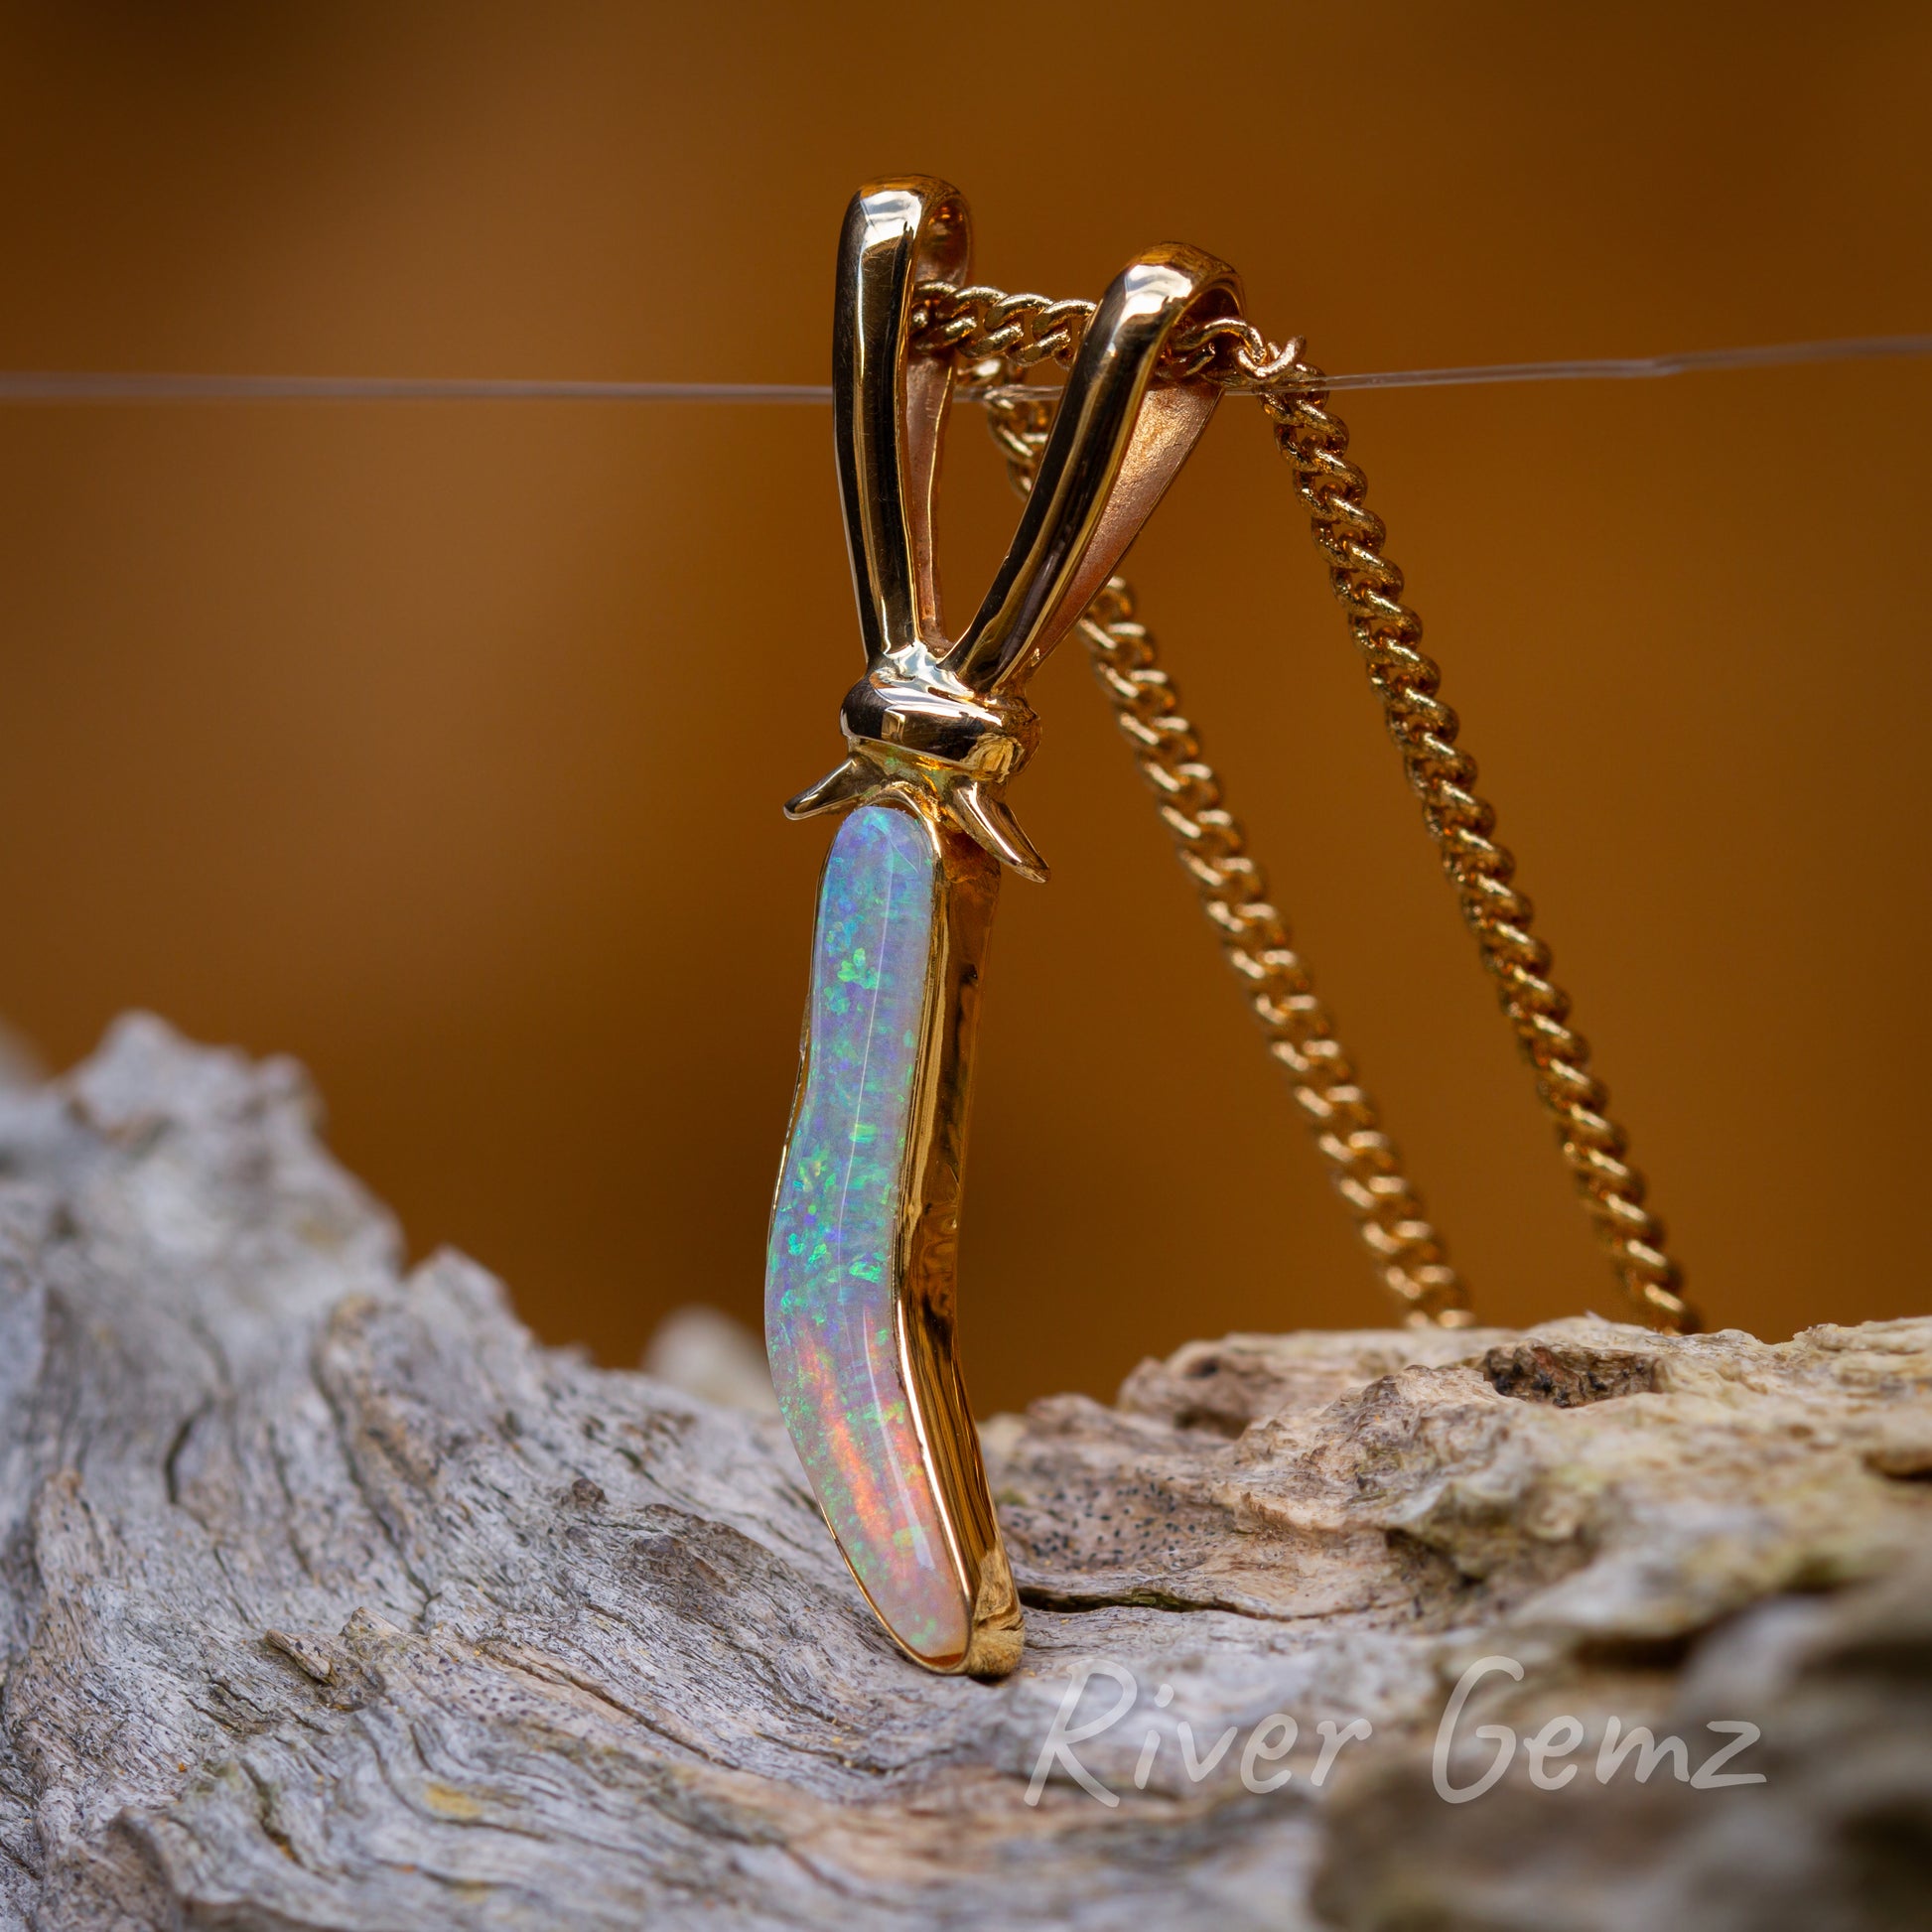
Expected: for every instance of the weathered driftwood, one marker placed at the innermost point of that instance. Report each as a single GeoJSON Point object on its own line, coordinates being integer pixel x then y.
{"type": "Point", "coordinates": [331, 1600]}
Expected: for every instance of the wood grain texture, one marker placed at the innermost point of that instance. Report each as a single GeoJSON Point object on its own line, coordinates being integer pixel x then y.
{"type": "Point", "coordinates": [331, 1601]}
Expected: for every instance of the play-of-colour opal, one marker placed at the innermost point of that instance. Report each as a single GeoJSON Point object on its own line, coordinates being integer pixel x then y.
{"type": "Point", "coordinates": [830, 1288]}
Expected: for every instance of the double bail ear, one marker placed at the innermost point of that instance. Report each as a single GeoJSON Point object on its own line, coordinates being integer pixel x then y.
{"type": "Point", "coordinates": [889, 406]}
{"type": "Point", "coordinates": [955, 707]}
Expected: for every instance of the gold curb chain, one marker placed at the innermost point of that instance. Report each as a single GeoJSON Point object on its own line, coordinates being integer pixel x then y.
{"type": "Point", "coordinates": [999, 336]}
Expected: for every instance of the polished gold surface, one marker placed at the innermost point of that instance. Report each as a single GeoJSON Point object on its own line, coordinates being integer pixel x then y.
{"type": "Point", "coordinates": [950, 719]}
{"type": "Point", "coordinates": [927, 1267]}
{"type": "Point", "coordinates": [939, 726]}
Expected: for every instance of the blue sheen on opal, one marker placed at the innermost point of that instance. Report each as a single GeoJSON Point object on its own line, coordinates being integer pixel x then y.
{"type": "Point", "coordinates": [830, 1290]}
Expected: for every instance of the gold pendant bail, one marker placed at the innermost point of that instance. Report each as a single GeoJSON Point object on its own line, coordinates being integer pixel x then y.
{"type": "Point", "coordinates": [944, 720]}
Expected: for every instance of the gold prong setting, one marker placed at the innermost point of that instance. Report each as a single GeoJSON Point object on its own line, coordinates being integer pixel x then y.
{"type": "Point", "coordinates": [919, 731]}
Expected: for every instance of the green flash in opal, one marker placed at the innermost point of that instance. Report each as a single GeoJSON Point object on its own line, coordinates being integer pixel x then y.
{"type": "Point", "coordinates": [830, 1288]}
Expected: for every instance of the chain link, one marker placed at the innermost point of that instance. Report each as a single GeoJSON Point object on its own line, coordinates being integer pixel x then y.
{"type": "Point", "coordinates": [1363, 1161]}
{"type": "Point", "coordinates": [996, 334]}
{"type": "Point", "coordinates": [978, 324]}
{"type": "Point", "coordinates": [1460, 820]}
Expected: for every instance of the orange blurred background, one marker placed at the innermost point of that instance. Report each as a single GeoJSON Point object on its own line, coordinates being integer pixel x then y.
{"type": "Point", "coordinates": [443, 746]}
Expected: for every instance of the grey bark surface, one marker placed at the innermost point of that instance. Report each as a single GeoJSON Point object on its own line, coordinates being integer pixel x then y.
{"type": "Point", "coordinates": [331, 1600]}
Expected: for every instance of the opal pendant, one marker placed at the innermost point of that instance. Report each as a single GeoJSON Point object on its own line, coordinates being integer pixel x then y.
{"type": "Point", "coordinates": [865, 1231]}
{"type": "Point", "coordinates": [857, 1316]}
